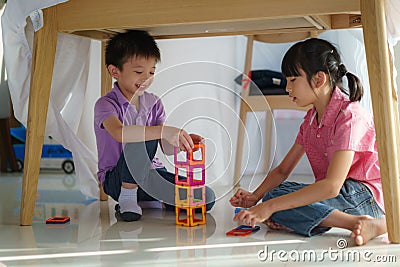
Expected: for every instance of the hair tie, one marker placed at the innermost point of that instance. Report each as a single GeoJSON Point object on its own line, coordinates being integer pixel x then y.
{"type": "Point", "coordinates": [342, 70]}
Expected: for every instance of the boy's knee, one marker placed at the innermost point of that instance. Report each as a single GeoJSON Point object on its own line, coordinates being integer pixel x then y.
{"type": "Point", "coordinates": [210, 198]}
{"type": "Point", "coordinates": [129, 185]}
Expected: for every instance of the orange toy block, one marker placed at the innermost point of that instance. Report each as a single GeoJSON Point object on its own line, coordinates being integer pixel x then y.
{"type": "Point", "coordinates": [199, 150]}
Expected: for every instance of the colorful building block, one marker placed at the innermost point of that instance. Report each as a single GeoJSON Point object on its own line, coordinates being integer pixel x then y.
{"type": "Point", "coordinates": [177, 160]}
{"type": "Point", "coordinates": [190, 156]}
{"type": "Point", "coordinates": [187, 216]}
{"type": "Point", "coordinates": [192, 174]}
{"type": "Point", "coordinates": [198, 148]}
{"type": "Point", "coordinates": [190, 188]}
{"type": "Point", "coordinates": [190, 196]}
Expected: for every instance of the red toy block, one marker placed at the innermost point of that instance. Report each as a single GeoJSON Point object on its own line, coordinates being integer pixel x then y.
{"type": "Point", "coordinates": [192, 218]}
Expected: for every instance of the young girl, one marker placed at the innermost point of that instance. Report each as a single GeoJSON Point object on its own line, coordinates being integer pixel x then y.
{"type": "Point", "coordinates": [338, 137]}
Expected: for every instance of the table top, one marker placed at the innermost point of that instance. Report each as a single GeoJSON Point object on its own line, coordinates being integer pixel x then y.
{"type": "Point", "coordinates": [100, 19]}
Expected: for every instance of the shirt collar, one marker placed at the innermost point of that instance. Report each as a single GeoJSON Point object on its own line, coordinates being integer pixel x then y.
{"type": "Point", "coordinates": [334, 107]}
{"type": "Point", "coordinates": [123, 101]}
{"type": "Point", "coordinates": [120, 97]}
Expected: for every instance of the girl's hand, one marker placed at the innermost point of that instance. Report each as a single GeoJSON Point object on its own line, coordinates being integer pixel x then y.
{"type": "Point", "coordinates": [254, 215]}
{"type": "Point", "coordinates": [243, 198]}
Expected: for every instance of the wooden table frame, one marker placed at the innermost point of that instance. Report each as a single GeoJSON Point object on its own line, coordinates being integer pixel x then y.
{"type": "Point", "coordinates": [171, 19]}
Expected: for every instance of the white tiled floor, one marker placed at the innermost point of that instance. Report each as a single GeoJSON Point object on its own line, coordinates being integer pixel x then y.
{"type": "Point", "coordinates": [95, 238]}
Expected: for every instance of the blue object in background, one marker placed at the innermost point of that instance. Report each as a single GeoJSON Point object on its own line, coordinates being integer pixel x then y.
{"type": "Point", "coordinates": [54, 151]}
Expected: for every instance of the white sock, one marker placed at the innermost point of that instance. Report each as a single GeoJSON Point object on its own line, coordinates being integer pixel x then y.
{"type": "Point", "coordinates": [128, 201]}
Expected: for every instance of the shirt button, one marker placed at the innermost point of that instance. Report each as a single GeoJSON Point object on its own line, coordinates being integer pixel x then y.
{"type": "Point", "coordinates": [318, 135]}
{"type": "Point", "coordinates": [326, 154]}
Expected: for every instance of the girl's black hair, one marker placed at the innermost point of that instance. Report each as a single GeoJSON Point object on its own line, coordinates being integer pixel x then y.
{"type": "Point", "coordinates": [313, 55]}
{"type": "Point", "coordinates": [132, 43]}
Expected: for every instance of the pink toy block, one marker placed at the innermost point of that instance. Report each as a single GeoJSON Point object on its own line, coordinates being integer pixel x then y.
{"type": "Point", "coordinates": [176, 160]}
{"type": "Point", "coordinates": [190, 179]}
{"type": "Point", "coordinates": [194, 180]}
{"type": "Point", "coordinates": [190, 159]}
{"type": "Point", "coordinates": [184, 180]}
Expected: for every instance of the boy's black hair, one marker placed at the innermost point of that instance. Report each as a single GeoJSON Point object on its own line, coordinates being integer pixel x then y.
{"type": "Point", "coordinates": [132, 43]}
{"type": "Point", "coordinates": [314, 55]}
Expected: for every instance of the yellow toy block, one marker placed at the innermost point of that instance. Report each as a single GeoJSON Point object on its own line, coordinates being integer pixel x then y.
{"type": "Point", "coordinates": [190, 196]}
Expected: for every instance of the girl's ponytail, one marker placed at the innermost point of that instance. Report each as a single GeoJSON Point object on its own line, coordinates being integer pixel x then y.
{"type": "Point", "coordinates": [356, 89]}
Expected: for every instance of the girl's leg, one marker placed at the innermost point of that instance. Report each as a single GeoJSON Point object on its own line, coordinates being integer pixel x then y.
{"type": "Point", "coordinates": [363, 227]}
{"type": "Point", "coordinates": [347, 211]}
{"type": "Point", "coordinates": [302, 220]}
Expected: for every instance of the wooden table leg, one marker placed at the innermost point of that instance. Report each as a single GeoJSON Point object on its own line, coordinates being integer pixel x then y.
{"type": "Point", "coordinates": [244, 108]}
{"type": "Point", "coordinates": [239, 145]}
{"type": "Point", "coordinates": [44, 49]}
{"type": "Point", "coordinates": [106, 79]}
{"type": "Point", "coordinates": [269, 127]}
{"type": "Point", "coordinates": [106, 85]}
{"type": "Point", "coordinates": [384, 103]}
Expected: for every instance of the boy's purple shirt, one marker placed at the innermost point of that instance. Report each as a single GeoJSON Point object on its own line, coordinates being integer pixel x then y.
{"type": "Point", "coordinates": [114, 103]}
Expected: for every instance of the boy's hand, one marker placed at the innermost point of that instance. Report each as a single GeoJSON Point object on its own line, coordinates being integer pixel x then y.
{"type": "Point", "coordinates": [197, 139]}
{"type": "Point", "coordinates": [243, 198]}
{"type": "Point", "coordinates": [177, 137]}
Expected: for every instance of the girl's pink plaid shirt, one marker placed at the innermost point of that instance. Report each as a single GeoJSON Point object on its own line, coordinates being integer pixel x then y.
{"type": "Point", "coordinates": [345, 125]}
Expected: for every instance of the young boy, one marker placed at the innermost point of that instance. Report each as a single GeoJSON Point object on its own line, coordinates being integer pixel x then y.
{"type": "Point", "coordinates": [129, 123]}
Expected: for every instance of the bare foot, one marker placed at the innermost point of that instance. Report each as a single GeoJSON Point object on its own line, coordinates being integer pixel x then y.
{"type": "Point", "coordinates": [276, 226]}
{"type": "Point", "coordinates": [367, 228]}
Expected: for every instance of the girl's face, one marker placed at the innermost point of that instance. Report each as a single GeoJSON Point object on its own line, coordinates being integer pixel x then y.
{"type": "Point", "coordinates": [136, 76]}
{"type": "Point", "coordinates": [300, 90]}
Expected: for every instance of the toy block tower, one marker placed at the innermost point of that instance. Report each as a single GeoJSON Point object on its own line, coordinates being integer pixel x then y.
{"type": "Point", "coordinates": [190, 191]}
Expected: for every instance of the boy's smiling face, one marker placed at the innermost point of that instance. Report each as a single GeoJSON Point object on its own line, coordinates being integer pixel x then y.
{"type": "Point", "coordinates": [135, 76]}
